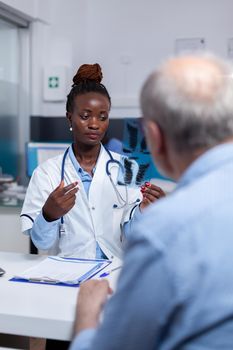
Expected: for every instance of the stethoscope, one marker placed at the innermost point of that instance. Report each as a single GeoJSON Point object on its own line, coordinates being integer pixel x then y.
{"type": "Point", "coordinates": [111, 162]}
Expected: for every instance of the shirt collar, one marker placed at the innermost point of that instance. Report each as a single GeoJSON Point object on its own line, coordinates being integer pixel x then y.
{"type": "Point", "coordinates": [208, 161]}
{"type": "Point", "coordinates": [76, 164]}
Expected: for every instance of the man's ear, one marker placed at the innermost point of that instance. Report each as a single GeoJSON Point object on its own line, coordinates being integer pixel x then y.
{"type": "Point", "coordinates": [160, 149]}
{"type": "Point", "coordinates": [155, 138]}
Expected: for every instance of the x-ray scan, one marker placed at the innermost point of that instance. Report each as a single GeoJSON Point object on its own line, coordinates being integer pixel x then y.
{"type": "Point", "coordinates": [137, 165]}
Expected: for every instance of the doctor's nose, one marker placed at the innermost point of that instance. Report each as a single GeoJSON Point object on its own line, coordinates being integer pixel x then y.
{"type": "Point", "coordinates": [93, 124]}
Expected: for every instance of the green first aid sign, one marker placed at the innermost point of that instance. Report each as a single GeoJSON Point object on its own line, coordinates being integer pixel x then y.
{"type": "Point", "coordinates": [53, 82]}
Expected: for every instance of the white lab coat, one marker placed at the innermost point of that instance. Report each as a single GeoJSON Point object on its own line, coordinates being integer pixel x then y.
{"type": "Point", "coordinates": [92, 218]}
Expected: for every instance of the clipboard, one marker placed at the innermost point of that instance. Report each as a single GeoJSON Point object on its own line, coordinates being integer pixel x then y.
{"type": "Point", "coordinates": [62, 271]}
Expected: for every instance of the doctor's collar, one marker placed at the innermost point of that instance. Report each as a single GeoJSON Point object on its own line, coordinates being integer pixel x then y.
{"type": "Point", "coordinates": [76, 164]}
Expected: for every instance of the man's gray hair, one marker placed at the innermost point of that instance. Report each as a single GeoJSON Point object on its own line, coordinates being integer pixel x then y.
{"type": "Point", "coordinates": [192, 105]}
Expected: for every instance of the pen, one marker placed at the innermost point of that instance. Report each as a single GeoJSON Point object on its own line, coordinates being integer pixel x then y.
{"type": "Point", "coordinates": [107, 273]}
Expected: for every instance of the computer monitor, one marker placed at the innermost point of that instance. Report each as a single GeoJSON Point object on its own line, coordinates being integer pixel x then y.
{"type": "Point", "coordinates": [38, 152]}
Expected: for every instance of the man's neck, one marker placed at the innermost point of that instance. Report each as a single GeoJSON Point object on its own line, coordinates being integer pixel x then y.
{"type": "Point", "coordinates": [181, 161]}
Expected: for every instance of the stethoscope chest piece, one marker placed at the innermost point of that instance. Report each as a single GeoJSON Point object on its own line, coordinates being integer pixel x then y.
{"type": "Point", "coordinates": [62, 229]}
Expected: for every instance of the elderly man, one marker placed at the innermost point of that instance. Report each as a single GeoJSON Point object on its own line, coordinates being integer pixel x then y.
{"type": "Point", "coordinates": [176, 287]}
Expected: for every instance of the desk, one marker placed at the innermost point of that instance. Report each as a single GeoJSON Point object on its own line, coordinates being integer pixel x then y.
{"type": "Point", "coordinates": [35, 310]}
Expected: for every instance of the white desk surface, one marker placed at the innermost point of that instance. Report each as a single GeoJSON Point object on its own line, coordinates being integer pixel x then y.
{"type": "Point", "coordinates": [36, 310]}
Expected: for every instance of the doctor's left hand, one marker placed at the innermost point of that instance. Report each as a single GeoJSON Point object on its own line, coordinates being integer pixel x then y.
{"type": "Point", "coordinates": [151, 193]}
{"type": "Point", "coordinates": [60, 201]}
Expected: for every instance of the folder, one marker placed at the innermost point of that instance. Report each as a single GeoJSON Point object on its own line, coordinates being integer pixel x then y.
{"type": "Point", "coordinates": [62, 271]}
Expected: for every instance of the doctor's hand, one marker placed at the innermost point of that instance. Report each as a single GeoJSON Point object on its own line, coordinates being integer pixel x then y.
{"type": "Point", "coordinates": [92, 296]}
{"type": "Point", "coordinates": [60, 201]}
{"type": "Point", "coordinates": [151, 193]}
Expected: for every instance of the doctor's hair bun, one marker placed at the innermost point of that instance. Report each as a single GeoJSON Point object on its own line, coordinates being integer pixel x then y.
{"type": "Point", "coordinates": [87, 79]}
{"type": "Point", "coordinates": [88, 72]}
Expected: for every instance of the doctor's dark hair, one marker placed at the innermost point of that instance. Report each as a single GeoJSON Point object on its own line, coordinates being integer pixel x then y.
{"type": "Point", "coordinates": [87, 79]}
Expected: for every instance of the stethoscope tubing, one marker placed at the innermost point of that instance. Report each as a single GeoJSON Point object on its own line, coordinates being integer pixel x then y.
{"type": "Point", "coordinates": [123, 202]}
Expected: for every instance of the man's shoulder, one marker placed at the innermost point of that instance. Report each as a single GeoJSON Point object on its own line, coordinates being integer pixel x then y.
{"type": "Point", "coordinates": [163, 220]}
{"type": "Point", "coordinates": [191, 208]}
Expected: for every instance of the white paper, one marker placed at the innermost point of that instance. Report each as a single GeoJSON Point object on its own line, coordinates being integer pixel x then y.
{"type": "Point", "coordinates": [55, 269]}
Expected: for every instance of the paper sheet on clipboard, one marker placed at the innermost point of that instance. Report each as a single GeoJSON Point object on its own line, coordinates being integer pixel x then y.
{"type": "Point", "coordinates": [64, 271]}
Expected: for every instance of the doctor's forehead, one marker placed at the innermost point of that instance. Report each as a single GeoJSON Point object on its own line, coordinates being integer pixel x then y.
{"type": "Point", "coordinates": [92, 100]}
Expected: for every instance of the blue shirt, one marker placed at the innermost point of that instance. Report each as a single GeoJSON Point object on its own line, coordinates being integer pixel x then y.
{"type": "Point", "coordinates": [86, 180]}
{"type": "Point", "coordinates": [176, 287]}
{"type": "Point", "coordinates": [44, 233]}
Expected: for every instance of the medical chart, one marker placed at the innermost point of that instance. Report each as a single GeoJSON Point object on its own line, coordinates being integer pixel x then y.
{"type": "Point", "coordinates": [58, 270]}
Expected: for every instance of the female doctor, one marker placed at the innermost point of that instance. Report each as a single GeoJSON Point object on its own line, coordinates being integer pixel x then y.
{"type": "Point", "coordinates": [73, 205]}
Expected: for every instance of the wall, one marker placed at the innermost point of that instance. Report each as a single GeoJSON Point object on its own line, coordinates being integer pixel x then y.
{"type": "Point", "coordinates": [31, 9]}
{"type": "Point", "coordinates": [25, 7]}
{"type": "Point", "coordinates": [129, 39]}
{"type": "Point", "coordinates": [135, 37]}
{"type": "Point", "coordinates": [62, 43]}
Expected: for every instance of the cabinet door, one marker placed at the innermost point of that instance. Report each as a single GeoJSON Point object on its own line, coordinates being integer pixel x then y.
{"type": "Point", "coordinates": [11, 238]}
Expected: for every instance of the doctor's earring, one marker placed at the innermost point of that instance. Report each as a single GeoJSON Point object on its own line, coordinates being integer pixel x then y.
{"type": "Point", "coordinates": [71, 129]}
